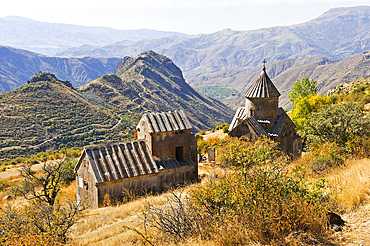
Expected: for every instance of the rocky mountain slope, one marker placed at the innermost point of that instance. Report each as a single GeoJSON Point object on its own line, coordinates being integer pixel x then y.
{"type": "Point", "coordinates": [50, 38]}
{"type": "Point", "coordinates": [152, 82]}
{"type": "Point", "coordinates": [17, 66]}
{"type": "Point", "coordinates": [337, 34]}
{"type": "Point", "coordinates": [48, 113]}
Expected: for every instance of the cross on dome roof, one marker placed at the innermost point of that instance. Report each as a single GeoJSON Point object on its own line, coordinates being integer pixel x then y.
{"type": "Point", "coordinates": [263, 86]}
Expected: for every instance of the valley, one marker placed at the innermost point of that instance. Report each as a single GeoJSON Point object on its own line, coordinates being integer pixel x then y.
{"type": "Point", "coordinates": [72, 97]}
{"type": "Point", "coordinates": [47, 113]}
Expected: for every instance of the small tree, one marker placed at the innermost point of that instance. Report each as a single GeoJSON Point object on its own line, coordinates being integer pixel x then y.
{"type": "Point", "coordinates": [337, 123]}
{"type": "Point", "coordinates": [54, 176]}
{"type": "Point", "coordinates": [302, 89]}
{"type": "Point", "coordinates": [49, 213]}
{"type": "Point", "coordinates": [305, 106]}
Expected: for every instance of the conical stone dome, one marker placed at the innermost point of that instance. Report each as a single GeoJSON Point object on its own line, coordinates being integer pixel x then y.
{"type": "Point", "coordinates": [262, 87]}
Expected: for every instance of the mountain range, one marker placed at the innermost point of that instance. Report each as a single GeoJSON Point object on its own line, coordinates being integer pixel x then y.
{"type": "Point", "coordinates": [48, 113]}
{"type": "Point", "coordinates": [17, 66]}
{"type": "Point", "coordinates": [322, 49]}
{"type": "Point", "coordinates": [327, 72]}
{"type": "Point", "coordinates": [50, 38]}
{"type": "Point", "coordinates": [337, 34]}
{"type": "Point", "coordinates": [151, 82]}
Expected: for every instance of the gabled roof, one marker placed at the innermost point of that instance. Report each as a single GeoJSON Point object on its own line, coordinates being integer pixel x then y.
{"type": "Point", "coordinates": [257, 128]}
{"type": "Point", "coordinates": [119, 160]}
{"type": "Point", "coordinates": [240, 116]}
{"type": "Point", "coordinates": [280, 121]}
{"type": "Point", "coordinates": [262, 87]}
{"type": "Point", "coordinates": [166, 121]}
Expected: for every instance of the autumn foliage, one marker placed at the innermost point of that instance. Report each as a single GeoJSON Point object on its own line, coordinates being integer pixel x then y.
{"type": "Point", "coordinates": [257, 201]}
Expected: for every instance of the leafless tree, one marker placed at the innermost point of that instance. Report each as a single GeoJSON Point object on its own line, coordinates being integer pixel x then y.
{"type": "Point", "coordinates": [46, 186]}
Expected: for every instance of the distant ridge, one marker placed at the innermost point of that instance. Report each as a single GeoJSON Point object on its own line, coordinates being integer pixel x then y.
{"type": "Point", "coordinates": [50, 38]}
{"type": "Point", "coordinates": [337, 34]}
{"type": "Point", "coordinates": [328, 74]}
{"type": "Point", "coordinates": [17, 66]}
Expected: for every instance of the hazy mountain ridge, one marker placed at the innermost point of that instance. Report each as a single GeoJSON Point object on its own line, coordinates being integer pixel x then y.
{"type": "Point", "coordinates": [337, 34]}
{"type": "Point", "coordinates": [328, 74]}
{"type": "Point", "coordinates": [17, 66]}
{"type": "Point", "coordinates": [50, 38]}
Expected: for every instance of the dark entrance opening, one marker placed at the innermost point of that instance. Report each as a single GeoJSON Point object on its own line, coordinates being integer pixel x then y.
{"type": "Point", "coordinates": [180, 153]}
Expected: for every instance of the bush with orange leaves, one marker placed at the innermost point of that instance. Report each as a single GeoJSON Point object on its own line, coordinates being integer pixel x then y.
{"type": "Point", "coordinates": [259, 202]}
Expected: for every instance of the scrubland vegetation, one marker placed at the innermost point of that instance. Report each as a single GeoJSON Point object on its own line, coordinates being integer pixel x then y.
{"type": "Point", "coordinates": [253, 195]}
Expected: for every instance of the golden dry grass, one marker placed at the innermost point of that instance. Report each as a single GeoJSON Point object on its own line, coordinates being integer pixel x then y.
{"type": "Point", "coordinates": [350, 184]}
{"type": "Point", "coordinates": [104, 226]}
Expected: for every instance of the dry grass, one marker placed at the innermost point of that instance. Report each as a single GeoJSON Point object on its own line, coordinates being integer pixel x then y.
{"type": "Point", "coordinates": [350, 184]}
{"type": "Point", "coordinates": [104, 226]}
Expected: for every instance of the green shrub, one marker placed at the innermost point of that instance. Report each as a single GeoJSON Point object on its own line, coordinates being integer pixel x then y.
{"type": "Point", "coordinates": [202, 145]}
{"type": "Point", "coordinates": [19, 160]}
{"type": "Point", "coordinates": [243, 155]}
{"type": "Point", "coordinates": [266, 204]}
{"type": "Point", "coordinates": [4, 185]}
{"type": "Point", "coordinates": [259, 202]}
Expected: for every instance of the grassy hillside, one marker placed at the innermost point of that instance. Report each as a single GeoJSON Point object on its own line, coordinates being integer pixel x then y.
{"type": "Point", "coordinates": [357, 91]}
{"type": "Point", "coordinates": [49, 114]}
{"type": "Point", "coordinates": [152, 83]}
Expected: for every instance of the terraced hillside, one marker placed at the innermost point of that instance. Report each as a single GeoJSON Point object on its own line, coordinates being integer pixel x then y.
{"type": "Point", "coordinates": [49, 114]}
{"type": "Point", "coordinates": [153, 83]}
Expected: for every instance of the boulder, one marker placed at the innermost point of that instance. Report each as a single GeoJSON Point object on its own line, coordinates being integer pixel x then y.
{"type": "Point", "coordinates": [335, 219]}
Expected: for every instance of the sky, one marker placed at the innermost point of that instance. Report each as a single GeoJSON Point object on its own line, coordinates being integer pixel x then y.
{"type": "Point", "coordinates": [187, 16]}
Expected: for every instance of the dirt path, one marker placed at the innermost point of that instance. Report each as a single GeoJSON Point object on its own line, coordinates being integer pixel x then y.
{"type": "Point", "coordinates": [13, 172]}
{"type": "Point", "coordinates": [218, 133]}
{"type": "Point", "coordinates": [356, 230]}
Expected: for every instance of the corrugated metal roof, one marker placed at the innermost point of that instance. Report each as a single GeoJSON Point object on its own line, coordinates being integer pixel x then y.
{"type": "Point", "coordinates": [166, 121]}
{"type": "Point", "coordinates": [262, 87]}
{"type": "Point", "coordinates": [119, 160]}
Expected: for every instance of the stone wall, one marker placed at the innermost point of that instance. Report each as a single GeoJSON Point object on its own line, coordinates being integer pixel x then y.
{"type": "Point", "coordinates": [85, 181]}
{"type": "Point", "coordinates": [164, 144]}
{"type": "Point", "coordinates": [263, 108]}
{"type": "Point", "coordinates": [138, 185]}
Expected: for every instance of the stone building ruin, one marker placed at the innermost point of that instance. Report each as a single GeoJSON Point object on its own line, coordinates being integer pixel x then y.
{"type": "Point", "coordinates": [164, 155]}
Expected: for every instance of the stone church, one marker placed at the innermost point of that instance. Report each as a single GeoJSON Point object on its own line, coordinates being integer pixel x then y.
{"type": "Point", "coordinates": [262, 116]}
{"type": "Point", "coordinates": [164, 155]}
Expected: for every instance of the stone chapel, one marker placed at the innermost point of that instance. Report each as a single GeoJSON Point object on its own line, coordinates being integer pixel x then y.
{"type": "Point", "coordinates": [262, 116]}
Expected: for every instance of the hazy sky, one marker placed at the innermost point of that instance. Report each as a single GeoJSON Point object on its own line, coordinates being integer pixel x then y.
{"type": "Point", "coordinates": [189, 16]}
